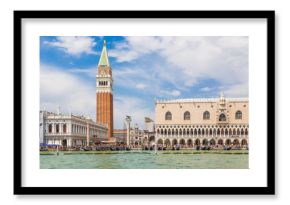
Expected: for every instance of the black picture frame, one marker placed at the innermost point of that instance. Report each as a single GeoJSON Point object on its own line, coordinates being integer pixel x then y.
{"type": "Point", "coordinates": [268, 190]}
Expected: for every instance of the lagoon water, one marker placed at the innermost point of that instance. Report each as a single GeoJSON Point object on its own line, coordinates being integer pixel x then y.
{"type": "Point", "coordinates": [145, 160]}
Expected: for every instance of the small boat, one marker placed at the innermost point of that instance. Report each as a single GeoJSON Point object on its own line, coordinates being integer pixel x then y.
{"type": "Point", "coordinates": [88, 149]}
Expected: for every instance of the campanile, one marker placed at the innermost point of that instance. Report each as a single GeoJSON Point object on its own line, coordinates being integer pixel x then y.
{"type": "Point", "coordinates": [104, 92]}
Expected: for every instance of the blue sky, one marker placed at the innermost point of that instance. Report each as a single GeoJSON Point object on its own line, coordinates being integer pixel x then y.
{"type": "Point", "coordinates": [144, 69]}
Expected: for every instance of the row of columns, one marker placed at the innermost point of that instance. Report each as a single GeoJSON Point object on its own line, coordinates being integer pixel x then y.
{"type": "Point", "coordinates": [245, 133]}
{"type": "Point", "coordinates": [193, 141]}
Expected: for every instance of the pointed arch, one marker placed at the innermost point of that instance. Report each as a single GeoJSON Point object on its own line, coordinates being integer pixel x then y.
{"type": "Point", "coordinates": [220, 142]}
{"type": "Point", "coordinates": [197, 142]}
{"type": "Point", "coordinates": [218, 131]}
{"type": "Point", "coordinates": [204, 142]}
{"type": "Point", "coordinates": [222, 117]}
{"type": "Point", "coordinates": [189, 143]}
{"type": "Point", "coordinates": [202, 132]}
{"type": "Point", "coordinates": [236, 142]}
{"type": "Point", "coordinates": [174, 142]}
{"type": "Point", "coordinates": [182, 142]}
{"type": "Point", "coordinates": [210, 132]}
{"type": "Point", "coordinates": [242, 132]}
{"type": "Point", "coordinates": [167, 143]}
{"type": "Point", "coordinates": [212, 142]}
{"type": "Point", "coordinates": [238, 131]}
{"type": "Point", "coordinates": [228, 142]}
{"type": "Point", "coordinates": [244, 142]}
{"type": "Point", "coordinates": [160, 142]}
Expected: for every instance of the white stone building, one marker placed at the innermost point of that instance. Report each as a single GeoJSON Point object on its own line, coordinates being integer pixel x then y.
{"type": "Point", "coordinates": [70, 130]}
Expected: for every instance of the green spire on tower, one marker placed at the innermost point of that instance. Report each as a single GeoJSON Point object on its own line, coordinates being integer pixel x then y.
{"type": "Point", "coordinates": [104, 60]}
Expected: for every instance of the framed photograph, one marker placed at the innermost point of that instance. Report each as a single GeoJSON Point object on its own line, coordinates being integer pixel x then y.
{"type": "Point", "coordinates": [144, 102]}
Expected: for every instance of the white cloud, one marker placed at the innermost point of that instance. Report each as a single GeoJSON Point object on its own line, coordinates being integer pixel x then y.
{"type": "Point", "coordinates": [91, 72]}
{"type": "Point", "coordinates": [141, 86]}
{"type": "Point", "coordinates": [184, 61]}
{"type": "Point", "coordinates": [74, 45]}
{"type": "Point", "coordinates": [174, 93]}
{"type": "Point", "coordinates": [206, 89]}
{"type": "Point", "coordinates": [62, 88]}
{"type": "Point", "coordinates": [58, 87]}
{"type": "Point", "coordinates": [238, 90]}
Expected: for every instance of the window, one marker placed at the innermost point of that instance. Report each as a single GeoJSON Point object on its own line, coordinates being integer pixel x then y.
{"type": "Point", "coordinates": [186, 116]}
{"type": "Point", "coordinates": [57, 128]}
{"type": "Point", "coordinates": [49, 128]}
{"type": "Point", "coordinates": [206, 115]}
{"type": "Point", "coordinates": [64, 128]}
{"type": "Point", "coordinates": [103, 83]}
{"type": "Point", "coordinates": [239, 115]}
{"type": "Point", "coordinates": [168, 116]}
{"type": "Point", "coordinates": [222, 117]}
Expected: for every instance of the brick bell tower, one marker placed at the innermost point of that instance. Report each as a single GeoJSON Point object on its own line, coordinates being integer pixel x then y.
{"type": "Point", "coordinates": [104, 92]}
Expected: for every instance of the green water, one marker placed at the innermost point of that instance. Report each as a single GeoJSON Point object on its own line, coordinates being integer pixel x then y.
{"type": "Point", "coordinates": [146, 160]}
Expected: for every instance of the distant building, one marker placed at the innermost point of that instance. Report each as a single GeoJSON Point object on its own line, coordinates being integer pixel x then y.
{"type": "Point", "coordinates": [136, 136]}
{"type": "Point", "coordinates": [193, 122]}
{"type": "Point", "coordinates": [149, 132]}
{"type": "Point", "coordinates": [70, 130]}
{"type": "Point", "coordinates": [120, 136]}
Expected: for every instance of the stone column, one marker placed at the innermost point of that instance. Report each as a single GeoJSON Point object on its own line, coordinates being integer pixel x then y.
{"type": "Point", "coordinates": [88, 134]}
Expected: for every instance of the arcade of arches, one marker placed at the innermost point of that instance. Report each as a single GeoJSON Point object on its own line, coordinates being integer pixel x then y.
{"type": "Point", "coordinates": [207, 135]}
